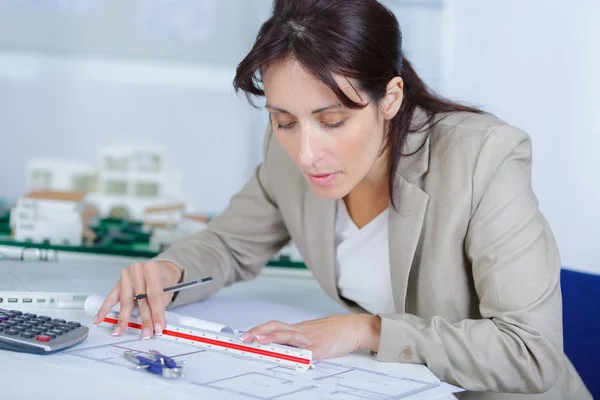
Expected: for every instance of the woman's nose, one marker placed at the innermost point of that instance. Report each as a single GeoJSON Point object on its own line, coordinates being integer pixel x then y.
{"type": "Point", "coordinates": [309, 150]}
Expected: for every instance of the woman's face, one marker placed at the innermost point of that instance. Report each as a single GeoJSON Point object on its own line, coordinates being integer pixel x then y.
{"type": "Point", "coordinates": [335, 147]}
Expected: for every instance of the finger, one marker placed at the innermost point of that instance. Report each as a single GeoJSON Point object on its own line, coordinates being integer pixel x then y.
{"type": "Point", "coordinates": [109, 302]}
{"type": "Point", "coordinates": [126, 294]}
{"type": "Point", "coordinates": [264, 329]}
{"type": "Point", "coordinates": [286, 337]}
{"type": "Point", "coordinates": [139, 285]}
{"type": "Point", "coordinates": [156, 297]}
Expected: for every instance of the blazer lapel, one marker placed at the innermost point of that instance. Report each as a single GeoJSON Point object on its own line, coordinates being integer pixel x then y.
{"type": "Point", "coordinates": [405, 223]}
{"type": "Point", "coordinates": [319, 222]}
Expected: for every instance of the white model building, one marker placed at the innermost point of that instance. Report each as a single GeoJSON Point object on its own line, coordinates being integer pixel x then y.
{"type": "Point", "coordinates": [132, 179]}
{"type": "Point", "coordinates": [49, 217]}
{"type": "Point", "coordinates": [166, 215]}
{"type": "Point", "coordinates": [128, 180]}
{"type": "Point", "coordinates": [60, 175]}
{"type": "Point", "coordinates": [170, 223]}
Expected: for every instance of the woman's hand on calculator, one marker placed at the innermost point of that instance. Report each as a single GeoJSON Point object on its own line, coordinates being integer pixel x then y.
{"type": "Point", "coordinates": [149, 277]}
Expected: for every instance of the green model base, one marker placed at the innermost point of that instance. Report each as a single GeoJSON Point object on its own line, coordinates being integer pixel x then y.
{"type": "Point", "coordinates": [115, 237]}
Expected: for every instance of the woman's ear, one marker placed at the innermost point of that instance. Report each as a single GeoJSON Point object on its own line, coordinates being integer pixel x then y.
{"type": "Point", "coordinates": [390, 104]}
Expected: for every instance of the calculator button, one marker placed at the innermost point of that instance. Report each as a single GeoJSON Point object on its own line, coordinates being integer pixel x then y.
{"type": "Point", "coordinates": [44, 319]}
{"type": "Point", "coordinates": [43, 338]}
{"type": "Point", "coordinates": [3, 318]}
{"type": "Point", "coordinates": [12, 332]}
{"type": "Point", "coordinates": [74, 323]}
{"type": "Point", "coordinates": [15, 312]}
{"type": "Point", "coordinates": [4, 325]}
{"type": "Point", "coordinates": [30, 315]}
{"type": "Point", "coordinates": [49, 334]}
{"type": "Point", "coordinates": [56, 332]}
{"type": "Point", "coordinates": [59, 320]}
{"type": "Point", "coordinates": [27, 335]}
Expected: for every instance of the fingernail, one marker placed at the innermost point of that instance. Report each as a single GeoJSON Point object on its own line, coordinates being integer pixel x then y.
{"type": "Point", "coordinates": [146, 333]}
{"type": "Point", "coordinates": [157, 329]}
{"type": "Point", "coordinates": [244, 336]}
{"type": "Point", "coordinates": [95, 319]}
{"type": "Point", "coordinates": [116, 331]}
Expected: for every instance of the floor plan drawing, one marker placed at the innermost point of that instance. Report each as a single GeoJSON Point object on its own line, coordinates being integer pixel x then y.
{"type": "Point", "coordinates": [237, 377]}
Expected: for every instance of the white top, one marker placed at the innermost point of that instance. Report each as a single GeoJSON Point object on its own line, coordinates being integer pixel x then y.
{"type": "Point", "coordinates": [362, 261]}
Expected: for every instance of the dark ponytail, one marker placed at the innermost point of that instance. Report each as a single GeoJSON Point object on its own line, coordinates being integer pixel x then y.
{"type": "Point", "coordinates": [359, 39]}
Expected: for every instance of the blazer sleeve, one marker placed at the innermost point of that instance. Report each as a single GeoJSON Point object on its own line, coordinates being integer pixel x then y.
{"type": "Point", "coordinates": [517, 345]}
{"type": "Point", "coordinates": [236, 244]}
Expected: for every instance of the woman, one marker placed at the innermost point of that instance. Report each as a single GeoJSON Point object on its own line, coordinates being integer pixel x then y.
{"type": "Point", "coordinates": [411, 210]}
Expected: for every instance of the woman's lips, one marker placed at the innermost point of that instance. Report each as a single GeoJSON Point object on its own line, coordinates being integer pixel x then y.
{"type": "Point", "coordinates": [322, 179]}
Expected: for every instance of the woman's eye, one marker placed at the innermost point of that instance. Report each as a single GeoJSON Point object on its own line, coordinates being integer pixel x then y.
{"type": "Point", "coordinates": [333, 126]}
{"type": "Point", "coordinates": [286, 126]}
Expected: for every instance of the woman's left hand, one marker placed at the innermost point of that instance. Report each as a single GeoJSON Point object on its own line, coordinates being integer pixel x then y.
{"type": "Point", "coordinates": [326, 337]}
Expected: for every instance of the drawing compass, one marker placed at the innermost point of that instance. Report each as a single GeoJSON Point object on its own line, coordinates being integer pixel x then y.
{"type": "Point", "coordinates": [157, 363]}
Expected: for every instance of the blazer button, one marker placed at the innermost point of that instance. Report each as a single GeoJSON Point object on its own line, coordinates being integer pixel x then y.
{"type": "Point", "coordinates": [406, 354]}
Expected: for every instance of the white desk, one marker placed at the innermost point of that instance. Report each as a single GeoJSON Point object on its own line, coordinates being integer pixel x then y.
{"type": "Point", "coordinates": [276, 293]}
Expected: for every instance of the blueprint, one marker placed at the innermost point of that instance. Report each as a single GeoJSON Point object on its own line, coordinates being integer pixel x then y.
{"type": "Point", "coordinates": [241, 378]}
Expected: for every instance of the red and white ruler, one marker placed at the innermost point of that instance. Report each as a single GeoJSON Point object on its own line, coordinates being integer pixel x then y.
{"type": "Point", "coordinates": [287, 356]}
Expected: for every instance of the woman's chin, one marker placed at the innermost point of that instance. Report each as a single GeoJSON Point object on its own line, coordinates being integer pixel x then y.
{"type": "Point", "coordinates": [334, 193]}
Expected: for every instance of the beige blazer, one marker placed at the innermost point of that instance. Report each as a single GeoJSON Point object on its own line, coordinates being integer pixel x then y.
{"type": "Point", "coordinates": [474, 264]}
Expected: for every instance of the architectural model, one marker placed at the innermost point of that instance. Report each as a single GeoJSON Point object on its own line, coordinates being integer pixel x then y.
{"type": "Point", "coordinates": [128, 180]}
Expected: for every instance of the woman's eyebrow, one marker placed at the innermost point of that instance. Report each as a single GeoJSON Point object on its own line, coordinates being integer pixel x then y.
{"type": "Point", "coordinates": [317, 111]}
{"type": "Point", "coordinates": [331, 107]}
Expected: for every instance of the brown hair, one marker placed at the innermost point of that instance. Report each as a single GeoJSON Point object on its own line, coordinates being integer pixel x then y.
{"type": "Point", "coordinates": [359, 39]}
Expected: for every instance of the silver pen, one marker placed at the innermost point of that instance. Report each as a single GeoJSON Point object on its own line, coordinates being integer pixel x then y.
{"type": "Point", "coordinates": [179, 287]}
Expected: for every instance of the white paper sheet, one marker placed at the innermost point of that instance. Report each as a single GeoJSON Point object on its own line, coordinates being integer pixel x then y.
{"type": "Point", "coordinates": [234, 377]}
{"type": "Point", "coordinates": [239, 378]}
{"type": "Point", "coordinates": [96, 369]}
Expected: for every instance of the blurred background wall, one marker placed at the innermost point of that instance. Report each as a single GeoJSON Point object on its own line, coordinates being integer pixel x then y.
{"type": "Point", "coordinates": [76, 75]}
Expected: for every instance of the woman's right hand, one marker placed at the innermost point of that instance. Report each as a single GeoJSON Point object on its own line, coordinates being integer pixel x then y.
{"type": "Point", "coordinates": [150, 277]}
